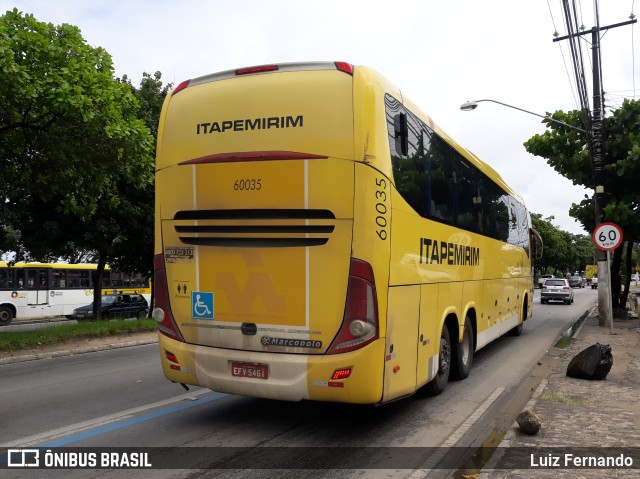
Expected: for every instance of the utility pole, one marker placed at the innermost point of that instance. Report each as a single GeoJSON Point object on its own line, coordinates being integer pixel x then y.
{"type": "Point", "coordinates": [605, 315]}
{"type": "Point", "coordinates": [596, 140]}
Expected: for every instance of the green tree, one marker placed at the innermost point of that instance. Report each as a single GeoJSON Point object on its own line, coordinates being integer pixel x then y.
{"type": "Point", "coordinates": [563, 252]}
{"type": "Point", "coordinates": [71, 141]}
{"type": "Point", "coordinates": [566, 150]}
{"type": "Point", "coordinates": [136, 253]}
{"type": "Point", "coordinates": [555, 250]}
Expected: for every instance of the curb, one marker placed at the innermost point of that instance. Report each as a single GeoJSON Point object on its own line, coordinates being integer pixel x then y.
{"type": "Point", "coordinates": [511, 435]}
{"type": "Point", "coordinates": [72, 352]}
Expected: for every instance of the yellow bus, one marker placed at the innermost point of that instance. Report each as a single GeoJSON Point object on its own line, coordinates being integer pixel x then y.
{"type": "Point", "coordinates": [318, 237]}
{"type": "Point", "coordinates": [34, 291]}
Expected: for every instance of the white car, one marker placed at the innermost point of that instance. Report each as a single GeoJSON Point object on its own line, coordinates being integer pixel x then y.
{"type": "Point", "coordinates": [556, 289]}
{"type": "Point", "coordinates": [543, 278]}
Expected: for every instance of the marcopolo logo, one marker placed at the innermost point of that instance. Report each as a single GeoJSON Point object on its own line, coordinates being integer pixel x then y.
{"type": "Point", "coordinates": [291, 343]}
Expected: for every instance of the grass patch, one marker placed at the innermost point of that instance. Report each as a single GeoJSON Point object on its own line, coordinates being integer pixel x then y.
{"type": "Point", "coordinates": [14, 340]}
{"type": "Point", "coordinates": [556, 397]}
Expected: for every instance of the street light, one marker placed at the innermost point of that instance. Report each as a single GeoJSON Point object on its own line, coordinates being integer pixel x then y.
{"type": "Point", "coordinates": [472, 105]}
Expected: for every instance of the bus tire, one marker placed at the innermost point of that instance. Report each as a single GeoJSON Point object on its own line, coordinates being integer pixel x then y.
{"type": "Point", "coordinates": [439, 383]}
{"type": "Point", "coordinates": [517, 331]}
{"type": "Point", "coordinates": [6, 315]}
{"type": "Point", "coordinates": [463, 357]}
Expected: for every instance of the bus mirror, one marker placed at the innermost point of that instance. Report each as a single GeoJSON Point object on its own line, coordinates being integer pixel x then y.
{"type": "Point", "coordinates": [536, 243]}
{"type": "Point", "coordinates": [401, 134]}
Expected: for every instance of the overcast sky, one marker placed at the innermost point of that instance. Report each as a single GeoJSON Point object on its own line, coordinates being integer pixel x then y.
{"type": "Point", "coordinates": [439, 53]}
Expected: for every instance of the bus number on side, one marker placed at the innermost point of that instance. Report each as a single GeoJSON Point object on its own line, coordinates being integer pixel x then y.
{"type": "Point", "coordinates": [251, 184]}
{"type": "Point", "coordinates": [381, 208]}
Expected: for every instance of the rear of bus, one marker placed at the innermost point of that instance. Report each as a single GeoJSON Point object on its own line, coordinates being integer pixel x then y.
{"type": "Point", "coordinates": [260, 289]}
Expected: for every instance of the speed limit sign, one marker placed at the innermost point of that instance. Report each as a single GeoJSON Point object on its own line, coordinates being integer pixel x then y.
{"type": "Point", "coordinates": [607, 236]}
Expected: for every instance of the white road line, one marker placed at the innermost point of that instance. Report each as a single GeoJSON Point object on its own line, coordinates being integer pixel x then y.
{"type": "Point", "coordinates": [101, 421]}
{"type": "Point", "coordinates": [457, 435]}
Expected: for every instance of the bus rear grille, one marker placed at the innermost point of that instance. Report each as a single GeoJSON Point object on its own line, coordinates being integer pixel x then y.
{"type": "Point", "coordinates": [255, 228]}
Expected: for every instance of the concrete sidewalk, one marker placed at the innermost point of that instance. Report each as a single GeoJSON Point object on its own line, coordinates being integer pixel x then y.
{"type": "Point", "coordinates": [579, 413]}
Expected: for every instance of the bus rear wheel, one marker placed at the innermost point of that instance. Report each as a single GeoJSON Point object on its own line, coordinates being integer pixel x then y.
{"type": "Point", "coordinates": [461, 366]}
{"type": "Point", "coordinates": [438, 384]}
{"type": "Point", "coordinates": [6, 316]}
{"type": "Point", "coordinates": [517, 331]}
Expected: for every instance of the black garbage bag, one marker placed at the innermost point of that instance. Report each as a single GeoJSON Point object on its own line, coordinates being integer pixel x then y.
{"type": "Point", "coordinates": [592, 363]}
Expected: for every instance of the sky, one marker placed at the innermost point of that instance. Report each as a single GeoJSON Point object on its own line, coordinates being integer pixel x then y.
{"type": "Point", "coordinates": [439, 53]}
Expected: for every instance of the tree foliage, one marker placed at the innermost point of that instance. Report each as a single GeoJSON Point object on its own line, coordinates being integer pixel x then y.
{"type": "Point", "coordinates": [563, 252]}
{"type": "Point", "coordinates": [135, 254]}
{"type": "Point", "coordinates": [567, 151]}
{"type": "Point", "coordinates": [66, 124]}
{"type": "Point", "coordinates": [77, 155]}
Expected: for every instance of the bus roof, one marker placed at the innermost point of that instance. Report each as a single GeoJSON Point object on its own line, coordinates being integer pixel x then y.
{"type": "Point", "coordinates": [271, 68]}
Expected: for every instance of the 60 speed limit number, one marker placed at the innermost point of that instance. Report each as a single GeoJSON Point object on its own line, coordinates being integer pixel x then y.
{"type": "Point", "coordinates": [607, 236]}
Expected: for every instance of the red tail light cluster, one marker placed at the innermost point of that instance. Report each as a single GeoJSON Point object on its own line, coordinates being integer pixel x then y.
{"type": "Point", "coordinates": [341, 373]}
{"type": "Point", "coordinates": [258, 69]}
{"type": "Point", "coordinates": [345, 67]}
{"type": "Point", "coordinates": [162, 310]}
{"type": "Point", "coordinates": [360, 325]}
{"type": "Point", "coordinates": [181, 87]}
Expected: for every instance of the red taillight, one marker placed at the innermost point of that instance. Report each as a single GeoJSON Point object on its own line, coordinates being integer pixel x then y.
{"type": "Point", "coordinates": [162, 311]}
{"type": "Point", "coordinates": [181, 87]}
{"type": "Point", "coordinates": [171, 357]}
{"type": "Point", "coordinates": [345, 67]}
{"type": "Point", "coordinates": [258, 69]}
{"type": "Point", "coordinates": [360, 322]}
{"type": "Point", "coordinates": [341, 373]}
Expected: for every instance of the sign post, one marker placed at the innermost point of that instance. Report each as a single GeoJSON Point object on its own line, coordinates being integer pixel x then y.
{"type": "Point", "coordinates": [607, 237]}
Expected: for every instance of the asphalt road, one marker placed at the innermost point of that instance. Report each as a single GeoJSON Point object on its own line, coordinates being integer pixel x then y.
{"type": "Point", "coordinates": [120, 398]}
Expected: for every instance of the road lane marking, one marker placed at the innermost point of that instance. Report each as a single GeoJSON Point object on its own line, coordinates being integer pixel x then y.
{"type": "Point", "coordinates": [94, 427]}
{"type": "Point", "coordinates": [456, 436]}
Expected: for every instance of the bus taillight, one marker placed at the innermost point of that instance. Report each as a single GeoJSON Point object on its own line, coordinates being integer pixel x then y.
{"type": "Point", "coordinates": [258, 69]}
{"type": "Point", "coordinates": [345, 67]}
{"type": "Point", "coordinates": [162, 311]}
{"type": "Point", "coordinates": [360, 323]}
{"type": "Point", "coordinates": [181, 87]}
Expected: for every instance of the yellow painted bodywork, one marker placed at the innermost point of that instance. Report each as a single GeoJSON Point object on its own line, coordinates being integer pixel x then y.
{"type": "Point", "coordinates": [299, 292]}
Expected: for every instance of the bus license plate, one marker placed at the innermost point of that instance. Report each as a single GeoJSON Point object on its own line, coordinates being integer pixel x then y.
{"type": "Point", "coordinates": [250, 370]}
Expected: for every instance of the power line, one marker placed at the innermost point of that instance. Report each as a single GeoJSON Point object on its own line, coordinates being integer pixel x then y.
{"type": "Point", "coordinates": [564, 60]}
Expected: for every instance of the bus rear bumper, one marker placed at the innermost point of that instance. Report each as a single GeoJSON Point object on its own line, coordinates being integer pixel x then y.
{"type": "Point", "coordinates": [289, 377]}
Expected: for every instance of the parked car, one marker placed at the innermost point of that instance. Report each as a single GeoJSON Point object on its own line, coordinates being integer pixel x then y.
{"type": "Point", "coordinates": [543, 278]}
{"type": "Point", "coordinates": [115, 305]}
{"type": "Point", "coordinates": [594, 283]}
{"type": "Point", "coordinates": [576, 281]}
{"type": "Point", "coordinates": [556, 289]}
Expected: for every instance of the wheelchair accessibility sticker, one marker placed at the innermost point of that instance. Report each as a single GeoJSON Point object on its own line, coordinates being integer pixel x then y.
{"type": "Point", "coordinates": [201, 305]}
